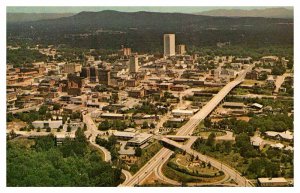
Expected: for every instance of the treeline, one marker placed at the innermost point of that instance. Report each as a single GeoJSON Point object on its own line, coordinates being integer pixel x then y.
{"type": "Point", "coordinates": [249, 160]}
{"type": "Point", "coordinates": [270, 122]}
{"type": "Point", "coordinates": [143, 31]}
{"type": "Point", "coordinates": [256, 52]}
{"type": "Point", "coordinates": [277, 122]}
{"type": "Point", "coordinates": [22, 56]}
{"type": "Point", "coordinates": [45, 164]}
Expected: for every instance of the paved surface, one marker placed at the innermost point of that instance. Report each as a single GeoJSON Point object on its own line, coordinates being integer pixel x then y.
{"type": "Point", "coordinates": [92, 132]}
{"type": "Point", "coordinates": [228, 171]}
{"type": "Point", "coordinates": [159, 174]}
{"type": "Point", "coordinates": [279, 81]}
{"type": "Point", "coordinates": [188, 129]}
{"type": "Point", "coordinates": [228, 137]}
{"type": "Point", "coordinates": [127, 175]}
{"type": "Point", "coordinates": [150, 166]}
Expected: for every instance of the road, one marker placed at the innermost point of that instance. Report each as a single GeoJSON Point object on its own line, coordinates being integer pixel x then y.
{"type": "Point", "coordinates": [159, 174]}
{"type": "Point", "coordinates": [279, 81]}
{"type": "Point", "coordinates": [188, 129]}
{"type": "Point", "coordinates": [228, 137]}
{"type": "Point", "coordinates": [92, 132]}
{"type": "Point", "coordinates": [127, 175]}
{"type": "Point", "coordinates": [148, 168]}
{"type": "Point", "coordinates": [228, 171]}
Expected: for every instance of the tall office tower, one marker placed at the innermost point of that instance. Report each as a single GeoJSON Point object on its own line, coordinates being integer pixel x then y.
{"type": "Point", "coordinates": [181, 49]}
{"type": "Point", "coordinates": [85, 72]}
{"type": "Point", "coordinates": [93, 74]}
{"type": "Point", "coordinates": [133, 64]}
{"type": "Point", "coordinates": [169, 44]}
{"type": "Point", "coordinates": [104, 76]}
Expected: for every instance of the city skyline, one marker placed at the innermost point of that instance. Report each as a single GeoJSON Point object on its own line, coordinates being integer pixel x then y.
{"type": "Point", "coordinates": [150, 99]}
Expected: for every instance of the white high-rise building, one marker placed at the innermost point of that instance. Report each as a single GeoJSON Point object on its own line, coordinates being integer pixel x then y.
{"type": "Point", "coordinates": [169, 44]}
{"type": "Point", "coordinates": [133, 64]}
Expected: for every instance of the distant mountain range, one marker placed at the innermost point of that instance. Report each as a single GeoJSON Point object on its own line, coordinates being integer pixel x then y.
{"type": "Point", "coordinates": [268, 13]}
{"type": "Point", "coordinates": [23, 17]}
{"type": "Point", "coordinates": [143, 31]}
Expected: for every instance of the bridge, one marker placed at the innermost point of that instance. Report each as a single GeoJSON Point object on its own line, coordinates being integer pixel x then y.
{"type": "Point", "coordinates": [163, 155]}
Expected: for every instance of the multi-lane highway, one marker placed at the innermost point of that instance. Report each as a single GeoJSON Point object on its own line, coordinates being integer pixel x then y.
{"type": "Point", "coordinates": [188, 129]}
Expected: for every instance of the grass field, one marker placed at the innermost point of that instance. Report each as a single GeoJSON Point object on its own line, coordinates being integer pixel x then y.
{"type": "Point", "coordinates": [193, 171]}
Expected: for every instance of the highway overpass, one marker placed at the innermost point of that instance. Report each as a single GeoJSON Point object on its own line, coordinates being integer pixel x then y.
{"type": "Point", "coordinates": [164, 154]}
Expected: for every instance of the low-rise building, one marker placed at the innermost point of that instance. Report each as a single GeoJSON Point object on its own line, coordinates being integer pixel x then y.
{"type": "Point", "coordinates": [179, 87]}
{"type": "Point", "coordinates": [272, 182]}
{"type": "Point", "coordinates": [139, 139]}
{"type": "Point", "coordinates": [53, 124]}
{"type": "Point", "coordinates": [136, 93]}
{"type": "Point", "coordinates": [285, 136]}
{"type": "Point", "coordinates": [165, 86]}
{"type": "Point", "coordinates": [180, 112]}
{"type": "Point", "coordinates": [269, 60]}
{"type": "Point", "coordinates": [233, 105]}
{"type": "Point", "coordinates": [112, 116]}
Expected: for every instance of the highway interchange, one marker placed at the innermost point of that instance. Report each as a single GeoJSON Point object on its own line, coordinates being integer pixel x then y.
{"type": "Point", "coordinates": [163, 155]}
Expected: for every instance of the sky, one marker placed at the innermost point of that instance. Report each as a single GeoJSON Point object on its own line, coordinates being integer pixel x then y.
{"type": "Point", "coordinates": [54, 9]}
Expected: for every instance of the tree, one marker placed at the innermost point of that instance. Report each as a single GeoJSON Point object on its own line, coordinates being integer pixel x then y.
{"type": "Point", "coordinates": [211, 139]}
{"type": "Point", "coordinates": [9, 117]}
{"type": "Point", "coordinates": [12, 134]}
{"type": "Point", "coordinates": [278, 70]}
{"type": "Point", "coordinates": [104, 126]}
{"type": "Point", "coordinates": [43, 109]}
{"type": "Point", "coordinates": [44, 165]}
{"type": "Point", "coordinates": [227, 146]}
{"type": "Point", "coordinates": [207, 123]}
{"type": "Point", "coordinates": [138, 152]}
{"type": "Point", "coordinates": [48, 129]}
{"type": "Point", "coordinates": [115, 97]}
{"type": "Point", "coordinates": [69, 128]}
{"type": "Point", "coordinates": [145, 125]}
{"type": "Point", "coordinates": [209, 165]}
{"type": "Point", "coordinates": [152, 125]}
{"type": "Point", "coordinates": [134, 168]}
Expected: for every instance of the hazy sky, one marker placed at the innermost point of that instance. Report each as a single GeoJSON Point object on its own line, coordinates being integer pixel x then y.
{"type": "Point", "coordinates": [128, 9]}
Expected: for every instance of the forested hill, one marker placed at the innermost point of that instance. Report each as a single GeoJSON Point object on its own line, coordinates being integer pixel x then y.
{"type": "Point", "coordinates": [143, 30]}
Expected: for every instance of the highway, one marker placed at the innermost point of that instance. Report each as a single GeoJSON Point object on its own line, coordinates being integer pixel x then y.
{"type": "Point", "coordinates": [188, 129]}
{"type": "Point", "coordinates": [229, 171]}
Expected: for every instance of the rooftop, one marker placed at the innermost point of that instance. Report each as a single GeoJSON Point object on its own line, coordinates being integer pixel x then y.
{"type": "Point", "coordinates": [272, 180]}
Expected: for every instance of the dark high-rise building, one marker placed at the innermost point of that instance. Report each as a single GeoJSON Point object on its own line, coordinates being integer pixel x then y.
{"type": "Point", "coordinates": [93, 74]}
{"type": "Point", "coordinates": [104, 76]}
{"type": "Point", "coordinates": [85, 72]}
